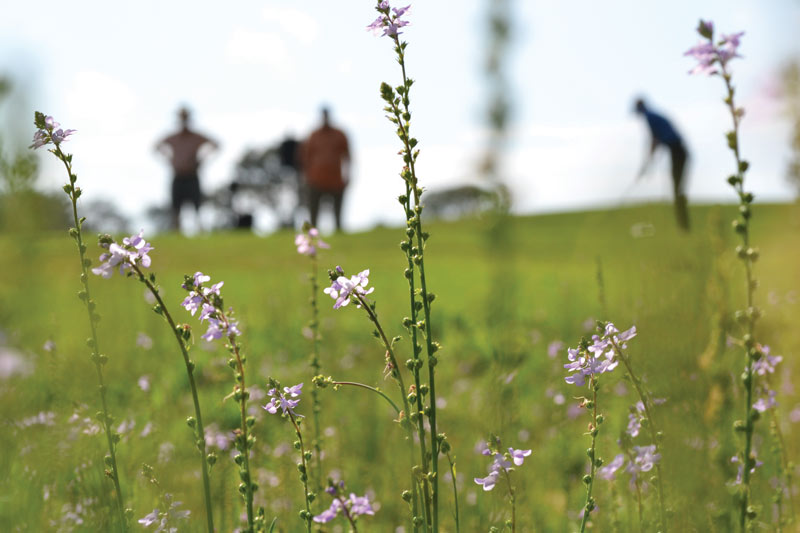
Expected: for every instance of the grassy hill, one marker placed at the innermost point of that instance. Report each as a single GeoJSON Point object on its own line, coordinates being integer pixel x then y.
{"type": "Point", "coordinates": [505, 291]}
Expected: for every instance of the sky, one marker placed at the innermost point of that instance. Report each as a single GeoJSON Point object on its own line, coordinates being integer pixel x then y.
{"type": "Point", "coordinates": [256, 71]}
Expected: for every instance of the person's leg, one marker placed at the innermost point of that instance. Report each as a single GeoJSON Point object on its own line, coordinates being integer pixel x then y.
{"type": "Point", "coordinates": [679, 156]}
{"type": "Point", "coordinates": [175, 217]}
{"type": "Point", "coordinates": [338, 196]}
{"type": "Point", "coordinates": [313, 204]}
{"type": "Point", "coordinates": [196, 197]}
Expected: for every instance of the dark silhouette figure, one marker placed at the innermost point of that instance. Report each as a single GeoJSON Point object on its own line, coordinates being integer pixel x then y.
{"type": "Point", "coordinates": [185, 151]}
{"type": "Point", "coordinates": [325, 161]}
{"type": "Point", "coordinates": [662, 132]}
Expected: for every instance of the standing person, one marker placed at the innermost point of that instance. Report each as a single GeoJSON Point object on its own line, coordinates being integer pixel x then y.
{"type": "Point", "coordinates": [325, 158]}
{"type": "Point", "coordinates": [662, 132]}
{"type": "Point", "coordinates": [185, 151]}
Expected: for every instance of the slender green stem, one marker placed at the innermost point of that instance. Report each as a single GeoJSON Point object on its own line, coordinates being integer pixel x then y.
{"type": "Point", "coordinates": [587, 509]}
{"type": "Point", "coordinates": [200, 435]}
{"type": "Point", "coordinates": [248, 482]}
{"type": "Point", "coordinates": [513, 499]}
{"type": "Point", "coordinates": [373, 389]}
{"type": "Point", "coordinates": [743, 227]}
{"type": "Point", "coordinates": [415, 221]}
{"type": "Point", "coordinates": [416, 350]}
{"type": "Point", "coordinates": [97, 358]}
{"type": "Point", "coordinates": [784, 463]}
{"type": "Point", "coordinates": [455, 488]}
{"type": "Point", "coordinates": [316, 369]}
{"type": "Point", "coordinates": [304, 473]}
{"type": "Point", "coordinates": [398, 377]}
{"type": "Point", "coordinates": [240, 394]}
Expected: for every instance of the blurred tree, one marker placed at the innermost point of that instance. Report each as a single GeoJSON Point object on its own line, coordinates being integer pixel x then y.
{"type": "Point", "coordinates": [791, 83]}
{"type": "Point", "coordinates": [464, 200]}
{"type": "Point", "coordinates": [263, 177]}
{"type": "Point", "coordinates": [103, 216]}
{"type": "Point", "coordinates": [22, 207]}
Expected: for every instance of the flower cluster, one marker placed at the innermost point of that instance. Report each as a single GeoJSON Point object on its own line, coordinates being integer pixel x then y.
{"type": "Point", "coordinates": [208, 301]}
{"type": "Point", "coordinates": [764, 366]}
{"type": "Point", "coordinates": [755, 463]}
{"type": "Point", "coordinates": [389, 21]}
{"type": "Point", "coordinates": [342, 288]}
{"type": "Point", "coordinates": [501, 463]}
{"type": "Point", "coordinates": [308, 241]}
{"type": "Point", "coordinates": [637, 415]}
{"type": "Point", "coordinates": [643, 459]}
{"type": "Point", "coordinates": [48, 132]}
{"type": "Point", "coordinates": [283, 401]}
{"type": "Point", "coordinates": [708, 54]}
{"type": "Point", "coordinates": [165, 521]}
{"type": "Point", "coordinates": [597, 357]}
{"type": "Point", "coordinates": [352, 507]}
{"type": "Point", "coordinates": [134, 250]}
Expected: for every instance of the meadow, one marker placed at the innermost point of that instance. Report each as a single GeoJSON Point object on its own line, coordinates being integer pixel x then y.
{"type": "Point", "coordinates": [621, 372]}
{"type": "Point", "coordinates": [500, 313]}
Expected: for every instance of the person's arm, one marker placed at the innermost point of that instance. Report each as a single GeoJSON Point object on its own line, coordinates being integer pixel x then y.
{"type": "Point", "coordinates": [647, 159]}
{"type": "Point", "coordinates": [345, 161]}
{"type": "Point", "coordinates": [162, 147]}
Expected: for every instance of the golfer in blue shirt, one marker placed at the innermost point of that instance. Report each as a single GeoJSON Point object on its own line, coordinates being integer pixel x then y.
{"type": "Point", "coordinates": [663, 133]}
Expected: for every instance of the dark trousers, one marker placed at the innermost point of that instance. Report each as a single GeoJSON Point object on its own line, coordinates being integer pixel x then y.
{"type": "Point", "coordinates": [315, 198]}
{"type": "Point", "coordinates": [679, 156]}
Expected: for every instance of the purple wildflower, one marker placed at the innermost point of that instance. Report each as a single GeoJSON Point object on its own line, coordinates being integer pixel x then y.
{"type": "Point", "coordinates": [359, 505]}
{"type": "Point", "coordinates": [608, 471]}
{"type": "Point", "coordinates": [355, 505]}
{"type": "Point", "coordinates": [50, 133]}
{"type": "Point", "coordinates": [342, 289]}
{"type": "Point", "coordinates": [740, 467]}
{"type": "Point", "coordinates": [518, 456]}
{"type": "Point", "coordinates": [646, 458]}
{"type": "Point", "coordinates": [216, 329]}
{"type": "Point", "coordinates": [489, 481]}
{"type": "Point", "coordinates": [634, 424]}
{"type": "Point", "coordinates": [764, 403]}
{"type": "Point", "coordinates": [598, 357]}
{"type": "Point", "coordinates": [283, 402]}
{"type": "Point", "coordinates": [766, 363]}
{"type": "Point", "coordinates": [501, 463]}
{"type": "Point", "coordinates": [553, 348]}
{"type": "Point", "coordinates": [308, 241]}
{"type": "Point", "coordinates": [390, 23]}
{"type": "Point", "coordinates": [133, 251]}
{"type": "Point", "coordinates": [708, 54]}
{"type": "Point", "coordinates": [330, 513]}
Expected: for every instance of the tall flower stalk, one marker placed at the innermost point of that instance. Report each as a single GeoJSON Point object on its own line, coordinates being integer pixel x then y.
{"type": "Point", "coordinates": [284, 402]}
{"type": "Point", "coordinates": [48, 133]}
{"type": "Point", "coordinates": [501, 468]}
{"type": "Point", "coordinates": [713, 59]}
{"type": "Point", "coordinates": [221, 324]}
{"type": "Point", "coordinates": [590, 360]}
{"type": "Point", "coordinates": [389, 22]}
{"type": "Point", "coordinates": [308, 242]}
{"type": "Point", "coordinates": [132, 256]}
{"type": "Point", "coordinates": [344, 290]}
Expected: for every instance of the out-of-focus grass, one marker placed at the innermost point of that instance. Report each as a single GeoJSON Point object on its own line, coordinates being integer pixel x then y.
{"type": "Point", "coordinates": [494, 372]}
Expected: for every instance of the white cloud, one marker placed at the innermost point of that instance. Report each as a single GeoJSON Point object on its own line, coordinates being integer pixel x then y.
{"type": "Point", "coordinates": [92, 95]}
{"type": "Point", "coordinates": [257, 48]}
{"type": "Point", "coordinates": [294, 22]}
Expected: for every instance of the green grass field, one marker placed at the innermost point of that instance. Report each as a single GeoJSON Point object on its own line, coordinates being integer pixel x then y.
{"type": "Point", "coordinates": [498, 308]}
